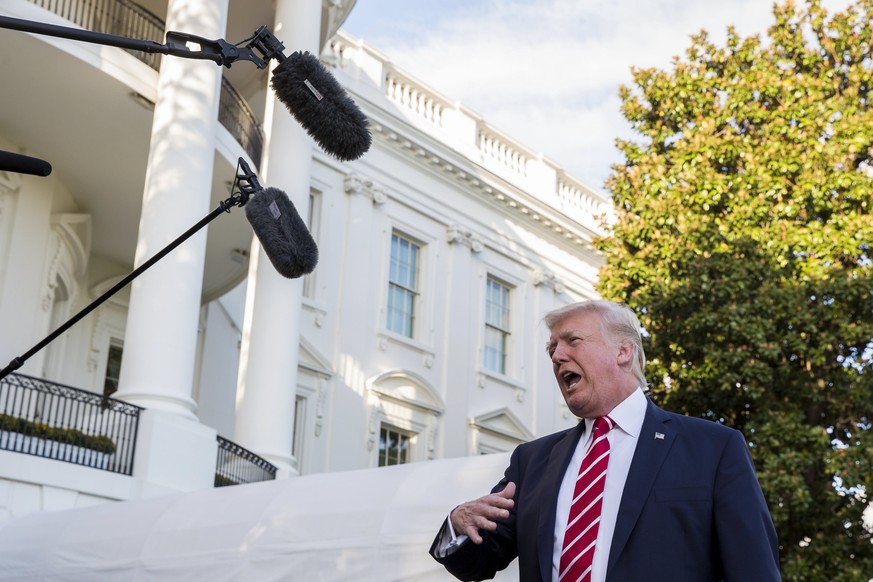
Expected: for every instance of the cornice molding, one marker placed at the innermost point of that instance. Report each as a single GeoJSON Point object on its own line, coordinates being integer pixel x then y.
{"type": "Point", "coordinates": [543, 217]}
{"type": "Point", "coordinates": [457, 235]}
{"type": "Point", "coordinates": [357, 184]}
{"type": "Point", "coordinates": [74, 231]}
{"type": "Point", "coordinates": [502, 422]}
{"type": "Point", "coordinates": [449, 139]}
{"type": "Point", "coordinates": [333, 15]}
{"type": "Point", "coordinates": [547, 279]}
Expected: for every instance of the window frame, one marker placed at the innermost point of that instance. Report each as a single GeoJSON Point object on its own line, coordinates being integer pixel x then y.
{"type": "Point", "coordinates": [298, 430]}
{"type": "Point", "coordinates": [114, 343]}
{"type": "Point", "coordinates": [407, 437]}
{"type": "Point", "coordinates": [313, 220]}
{"type": "Point", "coordinates": [411, 320]}
{"type": "Point", "coordinates": [502, 330]}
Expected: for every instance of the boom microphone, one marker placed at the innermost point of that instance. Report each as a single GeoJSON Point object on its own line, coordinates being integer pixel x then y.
{"type": "Point", "coordinates": [321, 106]}
{"type": "Point", "coordinates": [10, 162]}
{"type": "Point", "coordinates": [283, 234]}
{"type": "Point", "coordinates": [307, 89]}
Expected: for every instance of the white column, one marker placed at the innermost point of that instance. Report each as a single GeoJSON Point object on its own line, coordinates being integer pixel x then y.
{"type": "Point", "coordinates": [160, 344]}
{"type": "Point", "coordinates": [267, 383]}
{"type": "Point", "coordinates": [25, 219]}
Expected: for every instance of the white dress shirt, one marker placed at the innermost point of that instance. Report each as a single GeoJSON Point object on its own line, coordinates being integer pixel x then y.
{"type": "Point", "coordinates": [628, 417]}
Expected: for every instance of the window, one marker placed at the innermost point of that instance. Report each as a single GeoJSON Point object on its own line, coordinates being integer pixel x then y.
{"type": "Point", "coordinates": [313, 221]}
{"type": "Point", "coordinates": [496, 325]}
{"type": "Point", "coordinates": [299, 424]}
{"type": "Point", "coordinates": [402, 285]}
{"type": "Point", "coordinates": [393, 446]}
{"type": "Point", "coordinates": [404, 416]}
{"type": "Point", "coordinates": [113, 367]}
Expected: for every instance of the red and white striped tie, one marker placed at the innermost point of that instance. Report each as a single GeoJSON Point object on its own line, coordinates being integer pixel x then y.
{"type": "Point", "coordinates": [584, 519]}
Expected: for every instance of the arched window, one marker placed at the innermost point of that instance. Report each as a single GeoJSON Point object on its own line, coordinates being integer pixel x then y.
{"type": "Point", "coordinates": [404, 414]}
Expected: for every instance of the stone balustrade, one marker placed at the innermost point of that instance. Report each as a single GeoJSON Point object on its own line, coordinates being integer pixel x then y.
{"type": "Point", "coordinates": [469, 133]}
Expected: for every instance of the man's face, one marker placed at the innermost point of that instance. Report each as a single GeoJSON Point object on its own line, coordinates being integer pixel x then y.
{"type": "Point", "coordinates": [586, 366]}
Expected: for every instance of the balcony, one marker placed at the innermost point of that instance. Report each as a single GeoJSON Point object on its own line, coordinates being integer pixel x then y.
{"type": "Point", "coordinates": [79, 106]}
{"type": "Point", "coordinates": [62, 423]}
{"type": "Point", "coordinates": [129, 19]}
{"type": "Point", "coordinates": [58, 422]}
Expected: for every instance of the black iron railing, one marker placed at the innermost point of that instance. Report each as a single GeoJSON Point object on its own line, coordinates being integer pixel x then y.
{"type": "Point", "coordinates": [58, 422]}
{"type": "Point", "coordinates": [116, 17]}
{"type": "Point", "coordinates": [237, 465]}
{"type": "Point", "coordinates": [236, 116]}
{"type": "Point", "coordinates": [129, 19]}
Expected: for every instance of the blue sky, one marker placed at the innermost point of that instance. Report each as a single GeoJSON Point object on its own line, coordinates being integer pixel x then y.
{"type": "Point", "coordinates": [547, 72]}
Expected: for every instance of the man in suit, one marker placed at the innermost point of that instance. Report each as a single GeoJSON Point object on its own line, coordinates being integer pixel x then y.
{"type": "Point", "coordinates": [680, 499]}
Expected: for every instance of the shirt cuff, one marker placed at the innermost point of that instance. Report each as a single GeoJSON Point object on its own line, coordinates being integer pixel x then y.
{"type": "Point", "coordinates": [449, 542]}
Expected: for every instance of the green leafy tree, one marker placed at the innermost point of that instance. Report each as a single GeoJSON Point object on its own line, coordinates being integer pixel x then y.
{"type": "Point", "coordinates": [743, 241]}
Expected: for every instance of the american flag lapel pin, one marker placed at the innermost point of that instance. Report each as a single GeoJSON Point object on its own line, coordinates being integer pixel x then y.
{"type": "Point", "coordinates": [659, 436]}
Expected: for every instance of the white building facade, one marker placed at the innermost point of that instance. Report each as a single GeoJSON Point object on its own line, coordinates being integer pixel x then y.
{"type": "Point", "coordinates": [417, 337]}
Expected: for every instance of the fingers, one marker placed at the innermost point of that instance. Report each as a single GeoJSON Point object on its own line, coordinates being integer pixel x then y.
{"type": "Point", "coordinates": [479, 514]}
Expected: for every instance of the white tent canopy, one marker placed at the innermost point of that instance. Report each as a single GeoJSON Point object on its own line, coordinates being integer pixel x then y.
{"type": "Point", "coordinates": [370, 525]}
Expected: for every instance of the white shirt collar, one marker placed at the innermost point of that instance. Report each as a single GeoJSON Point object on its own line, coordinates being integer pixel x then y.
{"type": "Point", "coordinates": [628, 415]}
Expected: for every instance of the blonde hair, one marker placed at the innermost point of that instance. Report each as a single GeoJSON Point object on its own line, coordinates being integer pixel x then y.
{"type": "Point", "coordinates": [618, 323]}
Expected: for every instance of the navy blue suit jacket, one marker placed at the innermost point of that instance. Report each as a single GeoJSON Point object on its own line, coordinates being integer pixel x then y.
{"type": "Point", "coordinates": [691, 510]}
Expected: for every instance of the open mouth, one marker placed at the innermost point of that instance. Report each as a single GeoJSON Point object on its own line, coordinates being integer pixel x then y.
{"type": "Point", "coordinates": [570, 379]}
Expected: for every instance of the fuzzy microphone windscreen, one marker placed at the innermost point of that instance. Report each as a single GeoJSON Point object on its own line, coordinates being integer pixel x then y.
{"type": "Point", "coordinates": [321, 106]}
{"type": "Point", "coordinates": [283, 234]}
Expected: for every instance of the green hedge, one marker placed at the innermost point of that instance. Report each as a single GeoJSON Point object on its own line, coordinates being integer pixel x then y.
{"type": "Point", "coordinates": [70, 436]}
{"type": "Point", "coordinates": [222, 481]}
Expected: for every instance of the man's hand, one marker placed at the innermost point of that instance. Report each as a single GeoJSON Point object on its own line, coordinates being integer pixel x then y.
{"type": "Point", "coordinates": [468, 518]}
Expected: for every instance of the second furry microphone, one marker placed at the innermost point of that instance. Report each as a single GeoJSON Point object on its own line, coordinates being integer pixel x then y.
{"type": "Point", "coordinates": [282, 233]}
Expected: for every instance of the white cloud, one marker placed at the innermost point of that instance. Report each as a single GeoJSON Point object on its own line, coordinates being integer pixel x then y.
{"type": "Point", "coordinates": [547, 72]}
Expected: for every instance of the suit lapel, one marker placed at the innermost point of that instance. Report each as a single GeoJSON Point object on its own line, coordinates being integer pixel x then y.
{"type": "Point", "coordinates": [559, 459]}
{"type": "Point", "coordinates": [656, 438]}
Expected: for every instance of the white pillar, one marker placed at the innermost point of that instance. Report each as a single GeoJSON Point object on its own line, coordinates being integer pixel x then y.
{"type": "Point", "coordinates": [267, 383]}
{"type": "Point", "coordinates": [25, 225]}
{"type": "Point", "coordinates": [160, 344]}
